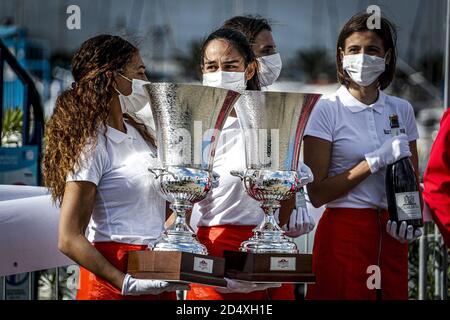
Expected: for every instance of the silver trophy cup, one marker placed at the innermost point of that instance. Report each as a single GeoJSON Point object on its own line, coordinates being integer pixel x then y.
{"type": "Point", "coordinates": [273, 124]}
{"type": "Point", "coordinates": [188, 120]}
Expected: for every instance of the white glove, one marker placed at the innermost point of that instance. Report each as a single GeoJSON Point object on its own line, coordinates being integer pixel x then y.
{"type": "Point", "coordinates": [406, 233]}
{"type": "Point", "coordinates": [300, 222]}
{"type": "Point", "coordinates": [135, 287]}
{"type": "Point", "coordinates": [392, 150]}
{"type": "Point", "coordinates": [237, 286]}
{"type": "Point", "coordinates": [306, 175]}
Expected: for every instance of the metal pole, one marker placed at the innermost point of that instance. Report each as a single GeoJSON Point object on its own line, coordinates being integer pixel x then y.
{"type": "Point", "coordinates": [26, 115]}
{"type": "Point", "coordinates": [30, 286]}
{"type": "Point", "coordinates": [444, 269]}
{"type": "Point", "coordinates": [423, 258]}
{"type": "Point", "coordinates": [4, 288]}
{"type": "Point", "coordinates": [57, 283]}
{"type": "Point", "coordinates": [447, 60]}
{"type": "Point", "coordinates": [437, 266]}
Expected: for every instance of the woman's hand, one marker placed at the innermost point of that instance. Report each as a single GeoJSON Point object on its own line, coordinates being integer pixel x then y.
{"type": "Point", "coordinates": [134, 287]}
{"type": "Point", "coordinates": [300, 222]}
{"type": "Point", "coordinates": [391, 151]}
{"type": "Point", "coordinates": [237, 286]}
{"type": "Point", "coordinates": [405, 233]}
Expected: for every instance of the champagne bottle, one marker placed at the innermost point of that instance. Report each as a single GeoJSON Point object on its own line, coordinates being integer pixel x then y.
{"type": "Point", "coordinates": [402, 188]}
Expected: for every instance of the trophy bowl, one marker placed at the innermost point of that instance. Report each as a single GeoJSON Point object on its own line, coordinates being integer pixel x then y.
{"type": "Point", "coordinates": [182, 187]}
{"type": "Point", "coordinates": [272, 124]}
{"type": "Point", "coordinates": [188, 120]}
{"type": "Point", "coordinates": [183, 184]}
{"type": "Point", "coordinates": [269, 188]}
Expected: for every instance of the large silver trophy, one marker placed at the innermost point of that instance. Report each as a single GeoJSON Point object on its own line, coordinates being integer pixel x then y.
{"type": "Point", "coordinates": [188, 121]}
{"type": "Point", "coordinates": [273, 124]}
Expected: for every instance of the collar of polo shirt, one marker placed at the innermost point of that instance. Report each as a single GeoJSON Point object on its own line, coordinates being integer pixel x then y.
{"type": "Point", "coordinates": [118, 136]}
{"type": "Point", "coordinates": [354, 105]}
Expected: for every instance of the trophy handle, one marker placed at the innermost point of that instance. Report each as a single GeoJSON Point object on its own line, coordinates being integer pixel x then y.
{"type": "Point", "coordinates": [238, 173]}
{"type": "Point", "coordinates": [157, 172]}
{"type": "Point", "coordinates": [215, 179]}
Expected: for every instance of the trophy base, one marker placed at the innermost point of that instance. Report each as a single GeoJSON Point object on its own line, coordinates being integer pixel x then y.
{"type": "Point", "coordinates": [261, 245]}
{"type": "Point", "coordinates": [269, 267]}
{"type": "Point", "coordinates": [183, 241]}
{"type": "Point", "coordinates": [177, 266]}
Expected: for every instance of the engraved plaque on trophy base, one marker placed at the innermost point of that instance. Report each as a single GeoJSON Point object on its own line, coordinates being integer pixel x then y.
{"type": "Point", "coordinates": [177, 266]}
{"type": "Point", "coordinates": [269, 267]}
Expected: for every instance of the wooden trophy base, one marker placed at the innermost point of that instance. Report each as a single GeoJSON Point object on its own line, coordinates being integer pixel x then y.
{"type": "Point", "coordinates": [269, 267]}
{"type": "Point", "coordinates": [177, 266]}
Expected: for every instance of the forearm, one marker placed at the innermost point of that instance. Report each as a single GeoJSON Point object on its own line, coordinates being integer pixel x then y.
{"type": "Point", "coordinates": [80, 250]}
{"type": "Point", "coordinates": [76, 211]}
{"type": "Point", "coordinates": [331, 188]}
{"type": "Point", "coordinates": [286, 210]}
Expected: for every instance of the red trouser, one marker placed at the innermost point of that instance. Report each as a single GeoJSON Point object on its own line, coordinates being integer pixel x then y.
{"type": "Point", "coordinates": [229, 237]}
{"type": "Point", "coordinates": [346, 243]}
{"type": "Point", "coordinates": [92, 287]}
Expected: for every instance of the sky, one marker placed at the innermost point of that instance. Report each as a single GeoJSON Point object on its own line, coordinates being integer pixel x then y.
{"type": "Point", "coordinates": [297, 24]}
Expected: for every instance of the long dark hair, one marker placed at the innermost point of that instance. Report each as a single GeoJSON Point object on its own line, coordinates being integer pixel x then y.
{"type": "Point", "coordinates": [239, 41]}
{"type": "Point", "coordinates": [249, 25]}
{"type": "Point", "coordinates": [387, 32]}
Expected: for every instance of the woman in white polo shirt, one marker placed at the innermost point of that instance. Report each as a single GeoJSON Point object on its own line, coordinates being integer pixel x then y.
{"type": "Point", "coordinates": [95, 164]}
{"type": "Point", "coordinates": [259, 34]}
{"type": "Point", "coordinates": [228, 215]}
{"type": "Point", "coordinates": [347, 146]}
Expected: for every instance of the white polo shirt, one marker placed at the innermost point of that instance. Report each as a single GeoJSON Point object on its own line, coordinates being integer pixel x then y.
{"type": "Point", "coordinates": [228, 203]}
{"type": "Point", "coordinates": [127, 207]}
{"type": "Point", "coordinates": [356, 129]}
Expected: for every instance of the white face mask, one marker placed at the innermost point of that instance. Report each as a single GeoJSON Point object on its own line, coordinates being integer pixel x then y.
{"type": "Point", "coordinates": [227, 80]}
{"type": "Point", "coordinates": [138, 98]}
{"type": "Point", "coordinates": [363, 69]}
{"type": "Point", "coordinates": [269, 69]}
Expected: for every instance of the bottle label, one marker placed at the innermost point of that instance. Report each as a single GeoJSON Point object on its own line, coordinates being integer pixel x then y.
{"type": "Point", "coordinates": [408, 205]}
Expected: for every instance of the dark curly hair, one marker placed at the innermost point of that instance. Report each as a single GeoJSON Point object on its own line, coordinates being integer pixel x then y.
{"type": "Point", "coordinates": [81, 110]}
